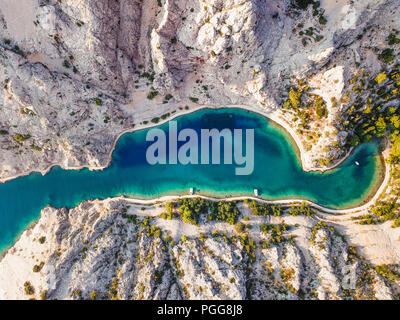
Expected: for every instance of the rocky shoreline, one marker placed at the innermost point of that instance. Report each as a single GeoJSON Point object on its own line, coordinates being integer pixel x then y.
{"type": "Point", "coordinates": [76, 75]}
{"type": "Point", "coordinates": [114, 249]}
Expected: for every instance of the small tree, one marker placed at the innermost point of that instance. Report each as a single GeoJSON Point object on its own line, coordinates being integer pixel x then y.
{"type": "Point", "coordinates": [381, 77]}
{"type": "Point", "coordinates": [295, 98]}
{"type": "Point", "coordinates": [380, 126]}
{"type": "Point", "coordinates": [29, 289]}
{"type": "Point", "coordinates": [93, 295]}
{"type": "Point", "coordinates": [43, 295]}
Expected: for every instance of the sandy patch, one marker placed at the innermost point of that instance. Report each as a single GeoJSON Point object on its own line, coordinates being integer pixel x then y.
{"type": "Point", "coordinates": [19, 16]}
{"type": "Point", "coordinates": [36, 58]}
{"type": "Point", "coordinates": [339, 13]}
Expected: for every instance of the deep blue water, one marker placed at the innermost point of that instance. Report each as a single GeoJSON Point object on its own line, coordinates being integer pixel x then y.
{"type": "Point", "coordinates": [277, 174]}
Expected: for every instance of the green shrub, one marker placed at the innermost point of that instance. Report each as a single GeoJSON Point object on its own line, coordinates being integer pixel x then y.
{"type": "Point", "coordinates": [264, 209]}
{"type": "Point", "coordinates": [165, 116]}
{"type": "Point", "coordinates": [152, 94]}
{"type": "Point", "coordinates": [295, 98]}
{"type": "Point", "coordinates": [33, 147]}
{"type": "Point", "coordinates": [21, 137]}
{"type": "Point", "coordinates": [387, 55]}
{"type": "Point", "coordinates": [42, 240]}
{"type": "Point", "coordinates": [18, 50]}
{"type": "Point", "coordinates": [43, 295]}
{"type": "Point", "coordinates": [192, 208]}
{"type": "Point", "coordinates": [302, 209]}
{"type": "Point", "coordinates": [391, 39]}
{"type": "Point", "coordinates": [168, 214]}
{"type": "Point", "coordinates": [396, 223]}
{"type": "Point", "coordinates": [321, 110]}
{"type": "Point", "coordinates": [28, 288]}
{"type": "Point", "coordinates": [93, 295]}
{"type": "Point", "coordinates": [66, 64]}
{"type": "Point", "coordinates": [225, 211]}
{"type": "Point", "coordinates": [314, 230]}
{"type": "Point", "coordinates": [302, 4]}
{"type": "Point", "coordinates": [37, 268]}
{"type": "Point", "coordinates": [388, 272]}
{"type": "Point", "coordinates": [322, 20]}
{"type": "Point", "coordinates": [276, 231]}
{"type": "Point", "coordinates": [381, 77]}
{"type": "Point", "coordinates": [354, 140]}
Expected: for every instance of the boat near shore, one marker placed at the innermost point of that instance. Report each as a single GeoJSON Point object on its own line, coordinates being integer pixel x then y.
{"type": "Point", "coordinates": [277, 176]}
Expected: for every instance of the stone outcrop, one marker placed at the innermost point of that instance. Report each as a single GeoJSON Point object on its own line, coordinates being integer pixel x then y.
{"type": "Point", "coordinates": [113, 249]}
{"type": "Point", "coordinates": [75, 74]}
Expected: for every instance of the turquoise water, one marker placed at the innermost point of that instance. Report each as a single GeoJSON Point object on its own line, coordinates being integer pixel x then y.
{"type": "Point", "coordinates": [277, 174]}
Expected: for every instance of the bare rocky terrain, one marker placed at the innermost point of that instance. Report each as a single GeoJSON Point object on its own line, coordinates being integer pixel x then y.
{"type": "Point", "coordinates": [75, 75]}
{"type": "Point", "coordinates": [115, 249]}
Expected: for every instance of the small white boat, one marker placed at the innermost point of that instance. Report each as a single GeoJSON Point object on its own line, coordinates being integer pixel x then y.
{"type": "Point", "coordinates": [357, 163]}
{"type": "Point", "coordinates": [191, 190]}
{"type": "Point", "coordinates": [256, 192]}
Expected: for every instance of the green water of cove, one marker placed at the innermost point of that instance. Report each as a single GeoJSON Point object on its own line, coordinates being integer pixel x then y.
{"type": "Point", "coordinates": [277, 174]}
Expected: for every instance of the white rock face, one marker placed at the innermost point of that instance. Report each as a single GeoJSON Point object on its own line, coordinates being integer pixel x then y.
{"type": "Point", "coordinates": [76, 74]}
{"type": "Point", "coordinates": [114, 250]}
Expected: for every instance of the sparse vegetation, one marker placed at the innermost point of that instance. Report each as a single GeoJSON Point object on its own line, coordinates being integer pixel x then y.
{"type": "Point", "coordinates": [37, 268]}
{"type": "Point", "coordinates": [21, 137]}
{"type": "Point", "coordinates": [98, 101]}
{"type": "Point", "coordinates": [302, 209]}
{"type": "Point", "coordinates": [93, 295]}
{"type": "Point", "coordinates": [28, 288]}
{"type": "Point", "coordinates": [225, 211]}
{"type": "Point", "coordinates": [263, 209]}
{"type": "Point", "coordinates": [389, 272]}
{"type": "Point", "coordinates": [275, 231]}
{"type": "Point", "coordinates": [43, 295]}
{"type": "Point", "coordinates": [42, 240]}
{"type": "Point", "coordinates": [192, 208]}
{"type": "Point", "coordinates": [152, 94]}
{"type": "Point", "coordinates": [169, 211]}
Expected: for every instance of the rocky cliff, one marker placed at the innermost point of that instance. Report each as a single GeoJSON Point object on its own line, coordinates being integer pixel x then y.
{"type": "Point", "coordinates": [115, 249]}
{"type": "Point", "coordinates": [76, 74]}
